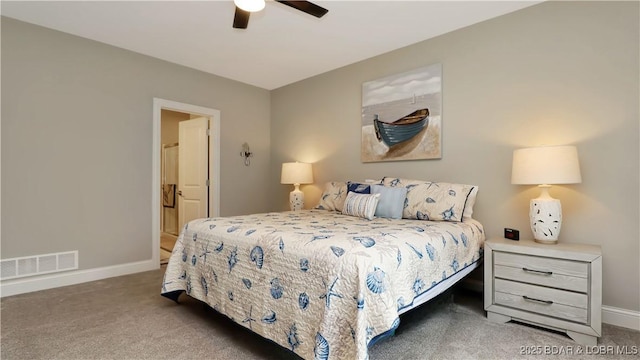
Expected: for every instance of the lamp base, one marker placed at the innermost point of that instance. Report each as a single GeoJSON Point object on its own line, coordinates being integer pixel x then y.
{"type": "Point", "coordinates": [545, 215]}
{"type": "Point", "coordinates": [296, 198]}
{"type": "Point", "coordinates": [546, 242]}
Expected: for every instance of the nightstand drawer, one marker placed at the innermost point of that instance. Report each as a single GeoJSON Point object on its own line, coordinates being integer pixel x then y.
{"type": "Point", "coordinates": [561, 304]}
{"type": "Point", "coordinates": [558, 273]}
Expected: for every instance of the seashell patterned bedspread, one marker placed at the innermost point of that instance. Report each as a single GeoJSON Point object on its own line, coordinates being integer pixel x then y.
{"type": "Point", "coordinates": [322, 284]}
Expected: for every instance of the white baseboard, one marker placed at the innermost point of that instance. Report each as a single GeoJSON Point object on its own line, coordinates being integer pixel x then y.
{"type": "Point", "coordinates": [36, 283]}
{"type": "Point", "coordinates": [621, 317]}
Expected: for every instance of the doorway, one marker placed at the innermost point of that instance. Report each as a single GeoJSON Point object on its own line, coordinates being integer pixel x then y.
{"type": "Point", "coordinates": [169, 193]}
{"type": "Point", "coordinates": [169, 212]}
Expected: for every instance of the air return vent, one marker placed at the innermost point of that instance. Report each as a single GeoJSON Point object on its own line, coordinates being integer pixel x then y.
{"type": "Point", "coordinates": [38, 264]}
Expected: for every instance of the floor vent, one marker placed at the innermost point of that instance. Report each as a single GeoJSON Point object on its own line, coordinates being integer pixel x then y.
{"type": "Point", "coordinates": [38, 265]}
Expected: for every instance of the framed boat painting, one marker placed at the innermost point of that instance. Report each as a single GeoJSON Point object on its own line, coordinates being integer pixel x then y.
{"type": "Point", "coordinates": [402, 116]}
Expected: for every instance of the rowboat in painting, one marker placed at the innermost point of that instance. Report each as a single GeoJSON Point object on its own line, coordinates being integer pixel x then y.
{"type": "Point", "coordinates": [402, 129]}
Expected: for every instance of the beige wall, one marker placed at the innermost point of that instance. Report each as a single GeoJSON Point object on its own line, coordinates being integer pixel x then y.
{"type": "Point", "coordinates": [77, 144]}
{"type": "Point", "coordinates": [555, 73]}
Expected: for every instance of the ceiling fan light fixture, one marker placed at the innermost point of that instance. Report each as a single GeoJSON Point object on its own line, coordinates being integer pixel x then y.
{"type": "Point", "coordinates": [250, 5]}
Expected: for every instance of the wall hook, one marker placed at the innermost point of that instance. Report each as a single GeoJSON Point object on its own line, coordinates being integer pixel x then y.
{"type": "Point", "coordinates": [246, 154]}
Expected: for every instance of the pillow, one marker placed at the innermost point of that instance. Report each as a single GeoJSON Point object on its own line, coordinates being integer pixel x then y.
{"type": "Point", "coordinates": [434, 201]}
{"type": "Point", "coordinates": [333, 196]}
{"type": "Point", "coordinates": [468, 207]}
{"type": "Point", "coordinates": [391, 203]}
{"type": "Point", "coordinates": [359, 188]}
{"type": "Point", "coordinates": [361, 205]}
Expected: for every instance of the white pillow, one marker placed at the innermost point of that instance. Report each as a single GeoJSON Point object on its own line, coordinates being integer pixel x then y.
{"type": "Point", "coordinates": [435, 201]}
{"type": "Point", "coordinates": [468, 207]}
{"type": "Point", "coordinates": [333, 196]}
{"type": "Point", "coordinates": [361, 205]}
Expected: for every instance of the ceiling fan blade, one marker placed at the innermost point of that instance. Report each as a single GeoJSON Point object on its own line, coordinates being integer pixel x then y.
{"type": "Point", "coordinates": [307, 7]}
{"type": "Point", "coordinates": [241, 19]}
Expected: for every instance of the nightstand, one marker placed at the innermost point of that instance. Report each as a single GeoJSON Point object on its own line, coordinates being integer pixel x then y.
{"type": "Point", "coordinates": [553, 286]}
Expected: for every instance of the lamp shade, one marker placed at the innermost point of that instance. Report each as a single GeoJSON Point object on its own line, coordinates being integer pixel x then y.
{"type": "Point", "coordinates": [546, 165]}
{"type": "Point", "coordinates": [296, 173]}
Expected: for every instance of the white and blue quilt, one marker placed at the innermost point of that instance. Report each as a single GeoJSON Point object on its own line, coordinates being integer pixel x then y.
{"type": "Point", "coordinates": [322, 284]}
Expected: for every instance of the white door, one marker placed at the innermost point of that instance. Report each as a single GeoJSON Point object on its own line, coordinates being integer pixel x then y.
{"type": "Point", "coordinates": [193, 169]}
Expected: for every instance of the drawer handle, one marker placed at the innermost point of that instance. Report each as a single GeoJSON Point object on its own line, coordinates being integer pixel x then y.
{"type": "Point", "coordinates": [548, 302]}
{"type": "Point", "coordinates": [538, 271]}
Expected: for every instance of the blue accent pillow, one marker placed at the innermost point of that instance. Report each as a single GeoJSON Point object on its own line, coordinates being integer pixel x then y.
{"type": "Point", "coordinates": [391, 202]}
{"type": "Point", "coordinates": [358, 188]}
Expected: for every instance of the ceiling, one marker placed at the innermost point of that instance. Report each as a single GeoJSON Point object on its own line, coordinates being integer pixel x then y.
{"type": "Point", "coordinates": [280, 46]}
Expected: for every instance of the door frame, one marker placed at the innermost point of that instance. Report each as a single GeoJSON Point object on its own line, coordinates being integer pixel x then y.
{"type": "Point", "coordinates": [214, 163]}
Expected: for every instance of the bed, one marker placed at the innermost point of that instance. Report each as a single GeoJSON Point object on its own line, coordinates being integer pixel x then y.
{"type": "Point", "coordinates": [322, 283]}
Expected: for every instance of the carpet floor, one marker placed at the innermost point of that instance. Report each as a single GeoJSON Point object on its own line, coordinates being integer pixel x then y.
{"type": "Point", "coordinates": [126, 318]}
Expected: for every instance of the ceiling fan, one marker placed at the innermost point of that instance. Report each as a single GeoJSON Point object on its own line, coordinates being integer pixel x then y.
{"type": "Point", "coordinates": [244, 8]}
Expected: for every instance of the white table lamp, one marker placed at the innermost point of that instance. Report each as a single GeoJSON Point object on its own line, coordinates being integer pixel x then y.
{"type": "Point", "coordinates": [296, 173]}
{"type": "Point", "coordinates": [544, 166]}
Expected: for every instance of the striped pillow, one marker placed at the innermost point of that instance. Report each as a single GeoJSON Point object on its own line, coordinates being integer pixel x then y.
{"type": "Point", "coordinates": [361, 205]}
